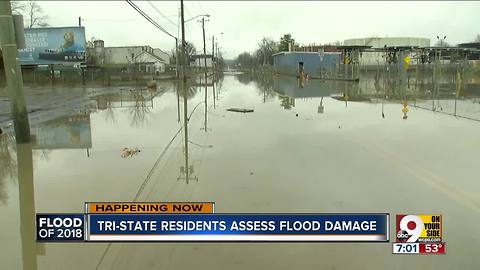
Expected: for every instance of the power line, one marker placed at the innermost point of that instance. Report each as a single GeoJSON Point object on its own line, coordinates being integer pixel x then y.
{"type": "Point", "coordinates": [108, 20]}
{"type": "Point", "coordinates": [200, 5]}
{"type": "Point", "coordinates": [161, 13]}
{"type": "Point", "coordinates": [186, 9]}
{"type": "Point", "coordinates": [148, 18]}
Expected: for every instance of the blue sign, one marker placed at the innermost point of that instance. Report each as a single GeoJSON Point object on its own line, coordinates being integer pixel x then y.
{"type": "Point", "coordinates": [60, 227]}
{"type": "Point", "coordinates": [238, 227]}
{"type": "Point", "coordinates": [53, 45]}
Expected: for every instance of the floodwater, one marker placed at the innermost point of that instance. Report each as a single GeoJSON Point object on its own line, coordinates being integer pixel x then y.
{"type": "Point", "coordinates": [309, 146]}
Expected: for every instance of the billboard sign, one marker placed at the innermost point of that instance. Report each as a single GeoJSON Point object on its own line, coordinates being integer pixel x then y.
{"type": "Point", "coordinates": [53, 45]}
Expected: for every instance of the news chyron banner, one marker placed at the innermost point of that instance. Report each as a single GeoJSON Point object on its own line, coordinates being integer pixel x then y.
{"type": "Point", "coordinates": [419, 234]}
{"type": "Point", "coordinates": [198, 222]}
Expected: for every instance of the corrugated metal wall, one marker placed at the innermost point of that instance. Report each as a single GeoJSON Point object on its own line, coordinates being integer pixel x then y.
{"type": "Point", "coordinates": [314, 64]}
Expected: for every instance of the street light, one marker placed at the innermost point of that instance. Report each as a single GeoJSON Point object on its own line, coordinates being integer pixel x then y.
{"type": "Point", "coordinates": [201, 15]}
{"type": "Point", "coordinates": [442, 41]}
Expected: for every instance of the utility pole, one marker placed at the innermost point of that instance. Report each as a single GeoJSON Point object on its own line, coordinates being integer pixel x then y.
{"type": "Point", "coordinates": [80, 21]}
{"type": "Point", "coordinates": [13, 74]}
{"type": "Point", "coordinates": [184, 87]}
{"type": "Point", "coordinates": [213, 55]}
{"type": "Point", "coordinates": [177, 72]}
{"type": "Point", "coordinates": [205, 69]}
{"type": "Point", "coordinates": [216, 54]}
{"type": "Point", "coordinates": [184, 78]}
{"type": "Point", "coordinates": [204, 45]}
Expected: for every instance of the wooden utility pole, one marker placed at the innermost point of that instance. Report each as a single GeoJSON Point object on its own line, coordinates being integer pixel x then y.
{"type": "Point", "coordinates": [204, 45]}
{"type": "Point", "coordinates": [13, 74]}
{"type": "Point", "coordinates": [205, 69]}
{"type": "Point", "coordinates": [213, 55]}
{"type": "Point", "coordinates": [184, 87]}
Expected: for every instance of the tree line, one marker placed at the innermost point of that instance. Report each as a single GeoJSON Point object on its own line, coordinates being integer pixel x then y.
{"type": "Point", "coordinates": [267, 47]}
{"type": "Point", "coordinates": [263, 55]}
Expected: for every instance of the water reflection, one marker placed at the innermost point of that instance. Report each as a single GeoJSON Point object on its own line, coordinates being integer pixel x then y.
{"type": "Point", "coordinates": [458, 99]}
{"type": "Point", "coordinates": [186, 171]}
{"type": "Point", "coordinates": [138, 103]}
{"type": "Point", "coordinates": [8, 163]}
{"type": "Point", "coordinates": [26, 191]}
{"type": "Point", "coordinates": [68, 132]}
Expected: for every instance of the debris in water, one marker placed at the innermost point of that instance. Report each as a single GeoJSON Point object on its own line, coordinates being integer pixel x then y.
{"type": "Point", "coordinates": [129, 152]}
{"type": "Point", "coordinates": [240, 110]}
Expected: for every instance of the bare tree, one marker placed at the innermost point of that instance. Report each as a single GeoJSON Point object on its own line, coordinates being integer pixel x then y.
{"type": "Point", "coordinates": [34, 15]}
{"type": "Point", "coordinates": [265, 50]}
{"type": "Point", "coordinates": [91, 42]}
{"type": "Point", "coordinates": [17, 7]}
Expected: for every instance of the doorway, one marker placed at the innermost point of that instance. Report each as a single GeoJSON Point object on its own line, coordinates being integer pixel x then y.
{"type": "Point", "coordinates": [300, 68]}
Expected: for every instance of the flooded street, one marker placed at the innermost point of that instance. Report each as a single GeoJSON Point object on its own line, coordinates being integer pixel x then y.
{"type": "Point", "coordinates": [308, 147]}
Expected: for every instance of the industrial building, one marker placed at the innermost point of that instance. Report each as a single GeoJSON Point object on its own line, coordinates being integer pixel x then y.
{"type": "Point", "coordinates": [376, 57]}
{"type": "Point", "coordinates": [315, 64]}
{"type": "Point", "coordinates": [144, 58]}
{"type": "Point", "coordinates": [381, 42]}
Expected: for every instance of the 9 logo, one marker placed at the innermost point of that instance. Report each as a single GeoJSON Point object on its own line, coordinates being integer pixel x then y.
{"type": "Point", "coordinates": [411, 226]}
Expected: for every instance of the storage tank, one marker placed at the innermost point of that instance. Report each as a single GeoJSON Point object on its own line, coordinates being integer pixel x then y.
{"type": "Point", "coordinates": [99, 47]}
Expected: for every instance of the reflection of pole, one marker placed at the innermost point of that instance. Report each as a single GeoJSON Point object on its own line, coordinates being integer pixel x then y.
{"type": "Point", "coordinates": [27, 205]}
{"type": "Point", "coordinates": [185, 129]}
{"type": "Point", "coordinates": [213, 87]}
{"type": "Point", "coordinates": [184, 82]}
{"type": "Point", "coordinates": [13, 73]}
{"type": "Point", "coordinates": [205, 100]}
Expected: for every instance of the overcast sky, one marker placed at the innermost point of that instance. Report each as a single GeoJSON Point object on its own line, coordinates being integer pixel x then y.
{"type": "Point", "coordinates": [244, 23]}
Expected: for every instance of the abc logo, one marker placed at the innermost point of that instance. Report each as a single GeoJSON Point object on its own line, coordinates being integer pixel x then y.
{"type": "Point", "coordinates": [402, 235]}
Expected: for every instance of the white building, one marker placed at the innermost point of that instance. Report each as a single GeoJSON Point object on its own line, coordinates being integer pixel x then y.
{"type": "Point", "coordinates": [378, 57]}
{"type": "Point", "coordinates": [149, 63]}
{"type": "Point", "coordinates": [144, 58]}
{"type": "Point", "coordinates": [381, 42]}
{"type": "Point", "coordinates": [161, 54]}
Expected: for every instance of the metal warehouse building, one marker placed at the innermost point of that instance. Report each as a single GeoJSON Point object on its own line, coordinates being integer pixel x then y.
{"type": "Point", "coordinates": [380, 42]}
{"type": "Point", "coordinates": [376, 56]}
{"type": "Point", "coordinates": [313, 63]}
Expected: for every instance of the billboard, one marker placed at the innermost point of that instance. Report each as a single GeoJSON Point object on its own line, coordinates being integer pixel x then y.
{"type": "Point", "coordinates": [53, 45]}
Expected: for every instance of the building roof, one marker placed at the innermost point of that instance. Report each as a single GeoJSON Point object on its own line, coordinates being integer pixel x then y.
{"type": "Point", "coordinates": [150, 54]}
{"type": "Point", "coordinates": [300, 52]}
{"type": "Point", "coordinates": [470, 45]}
{"type": "Point", "coordinates": [353, 46]}
{"type": "Point", "coordinates": [134, 46]}
{"type": "Point", "coordinates": [196, 56]}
